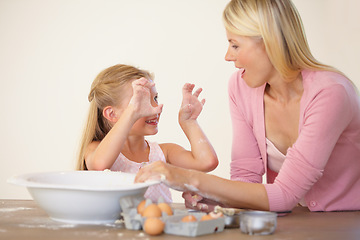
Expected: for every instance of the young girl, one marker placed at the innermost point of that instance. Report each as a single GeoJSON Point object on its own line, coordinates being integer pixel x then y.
{"type": "Point", "coordinates": [123, 110]}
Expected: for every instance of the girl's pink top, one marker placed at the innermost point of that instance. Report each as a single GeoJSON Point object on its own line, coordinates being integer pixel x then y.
{"type": "Point", "coordinates": [323, 165]}
{"type": "Point", "coordinates": [156, 154]}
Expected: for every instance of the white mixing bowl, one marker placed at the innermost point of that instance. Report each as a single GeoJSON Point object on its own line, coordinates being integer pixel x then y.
{"type": "Point", "coordinates": [84, 197]}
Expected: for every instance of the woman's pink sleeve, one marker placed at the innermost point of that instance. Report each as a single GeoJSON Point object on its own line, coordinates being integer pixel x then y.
{"type": "Point", "coordinates": [246, 161]}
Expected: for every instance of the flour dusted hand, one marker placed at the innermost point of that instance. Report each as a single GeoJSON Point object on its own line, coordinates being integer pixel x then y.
{"type": "Point", "coordinates": [140, 101]}
{"type": "Point", "coordinates": [171, 175]}
{"type": "Point", "coordinates": [191, 106]}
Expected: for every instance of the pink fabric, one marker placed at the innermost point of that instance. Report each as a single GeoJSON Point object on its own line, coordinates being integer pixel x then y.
{"type": "Point", "coordinates": [323, 165]}
{"type": "Point", "coordinates": [156, 154]}
{"type": "Point", "coordinates": [275, 160]}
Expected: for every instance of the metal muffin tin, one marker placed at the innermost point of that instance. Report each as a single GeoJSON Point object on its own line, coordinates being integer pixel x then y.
{"type": "Point", "coordinates": [232, 221]}
{"type": "Point", "coordinates": [250, 222]}
{"type": "Point", "coordinates": [258, 222]}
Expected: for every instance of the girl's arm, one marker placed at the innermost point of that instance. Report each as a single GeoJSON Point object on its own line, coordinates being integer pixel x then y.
{"type": "Point", "coordinates": [102, 155]}
{"type": "Point", "coordinates": [202, 155]}
{"type": "Point", "coordinates": [230, 193]}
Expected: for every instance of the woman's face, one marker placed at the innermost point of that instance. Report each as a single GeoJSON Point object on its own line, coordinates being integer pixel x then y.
{"type": "Point", "coordinates": [250, 55]}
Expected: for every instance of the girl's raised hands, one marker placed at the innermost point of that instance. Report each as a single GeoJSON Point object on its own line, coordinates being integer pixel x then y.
{"type": "Point", "coordinates": [144, 98]}
{"type": "Point", "coordinates": [191, 106]}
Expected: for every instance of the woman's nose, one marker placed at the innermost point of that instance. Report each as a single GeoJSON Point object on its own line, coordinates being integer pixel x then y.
{"type": "Point", "coordinates": [228, 56]}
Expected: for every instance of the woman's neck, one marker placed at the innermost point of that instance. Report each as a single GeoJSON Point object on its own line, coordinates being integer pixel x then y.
{"type": "Point", "coordinates": [283, 91]}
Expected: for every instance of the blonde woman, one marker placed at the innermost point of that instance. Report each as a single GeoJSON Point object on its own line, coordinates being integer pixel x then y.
{"type": "Point", "coordinates": [124, 109]}
{"type": "Point", "coordinates": [294, 119]}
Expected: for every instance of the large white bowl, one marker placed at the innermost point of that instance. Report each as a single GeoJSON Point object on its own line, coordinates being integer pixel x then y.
{"type": "Point", "coordinates": [84, 197]}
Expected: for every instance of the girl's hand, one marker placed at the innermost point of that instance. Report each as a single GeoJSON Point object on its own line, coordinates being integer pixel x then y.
{"type": "Point", "coordinates": [174, 177]}
{"type": "Point", "coordinates": [191, 107]}
{"type": "Point", "coordinates": [141, 100]}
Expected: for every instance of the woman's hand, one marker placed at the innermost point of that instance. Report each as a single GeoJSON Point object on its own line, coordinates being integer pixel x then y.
{"type": "Point", "coordinates": [179, 179]}
{"type": "Point", "coordinates": [141, 101]}
{"type": "Point", "coordinates": [191, 107]}
{"type": "Point", "coordinates": [174, 177]}
{"type": "Point", "coordinates": [199, 203]}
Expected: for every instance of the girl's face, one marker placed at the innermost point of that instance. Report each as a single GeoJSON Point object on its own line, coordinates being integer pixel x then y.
{"type": "Point", "coordinates": [250, 55]}
{"type": "Point", "coordinates": [146, 125]}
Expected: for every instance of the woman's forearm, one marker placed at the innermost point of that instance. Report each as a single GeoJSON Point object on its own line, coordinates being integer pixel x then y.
{"type": "Point", "coordinates": [230, 193]}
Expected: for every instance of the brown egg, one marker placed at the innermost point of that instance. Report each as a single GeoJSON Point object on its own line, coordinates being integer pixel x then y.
{"type": "Point", "coordinates": [152, 211]}
{"type": "Point", "coordinates": [153, 226]}
{"type": "Point", "coordinates": [141, 206]}
{"type": "Point", "coordinates": [206, 217]}
{"type": "Point", "coordinates": [165, 208]}
{"type": "Point", "coordinates": [189, 218]}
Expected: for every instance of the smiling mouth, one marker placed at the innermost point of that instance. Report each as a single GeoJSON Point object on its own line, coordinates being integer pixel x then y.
{"type": "Point", "coordinates": [152, 121]}
{"type": "Point", "coordinates": [243, 70]}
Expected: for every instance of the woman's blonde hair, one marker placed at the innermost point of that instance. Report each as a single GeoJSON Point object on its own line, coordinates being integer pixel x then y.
{"type": "Point", "coordinates": [278, 24]}
{"type": "Point", "coordinates": [105, 91]}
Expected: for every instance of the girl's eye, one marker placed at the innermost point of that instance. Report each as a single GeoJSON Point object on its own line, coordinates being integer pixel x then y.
{"type": "Point", "coordinates": [156, 99]}
{"type": "Point", "coordinates": [234, 46]}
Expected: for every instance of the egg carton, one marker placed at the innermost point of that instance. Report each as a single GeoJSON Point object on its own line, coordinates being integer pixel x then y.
{"type": "Point", "coordinates": [175, 226]}
{"type": "Point", "coordinates": [135, 221]}
{"type": "Point", "coordinates": [129, 213]}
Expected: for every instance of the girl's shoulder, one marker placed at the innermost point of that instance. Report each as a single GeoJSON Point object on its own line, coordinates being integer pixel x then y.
{"type": "Point", "coordinates": [157, 151]}
{"type": "Point", "coordinates": [170, 147]}
{"type": "Point", "coordinates": [91, 147]}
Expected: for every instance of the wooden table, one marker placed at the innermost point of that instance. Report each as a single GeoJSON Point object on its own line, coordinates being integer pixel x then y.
{"type": "Point", "coordinates": [23, 219]}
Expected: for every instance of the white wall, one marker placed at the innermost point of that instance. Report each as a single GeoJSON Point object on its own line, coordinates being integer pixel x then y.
{"type": "Point", "coordinates": [51, 50]}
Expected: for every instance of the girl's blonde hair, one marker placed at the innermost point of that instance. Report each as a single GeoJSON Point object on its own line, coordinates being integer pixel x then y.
{"type": "Point", "coordinates": [278, 24]}
{"type": "Point", "coordinates": [105, 91]}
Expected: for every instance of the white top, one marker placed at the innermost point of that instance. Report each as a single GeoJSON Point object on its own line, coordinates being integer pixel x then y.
{"type": "Point", "coordinates": [274, 156]}
{"type": "Point", "coordinates": [156, 154]}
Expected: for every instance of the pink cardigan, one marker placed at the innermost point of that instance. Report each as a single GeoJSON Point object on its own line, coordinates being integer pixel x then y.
{"type": "Point", "coordinates": [323, 165]}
